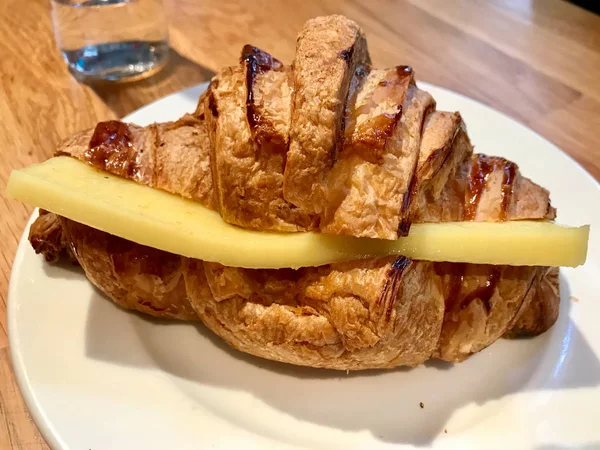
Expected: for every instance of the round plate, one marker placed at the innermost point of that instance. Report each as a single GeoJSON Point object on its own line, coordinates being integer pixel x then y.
{"type": "Point", "coordinates": [95, 376]}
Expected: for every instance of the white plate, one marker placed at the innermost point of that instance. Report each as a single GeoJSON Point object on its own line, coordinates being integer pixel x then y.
{"type": "Point", "coordinates": [97, 377]}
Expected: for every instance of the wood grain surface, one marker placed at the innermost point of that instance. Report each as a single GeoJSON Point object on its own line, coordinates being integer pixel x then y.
{"type": "Point", "coordinates": [535, 60]}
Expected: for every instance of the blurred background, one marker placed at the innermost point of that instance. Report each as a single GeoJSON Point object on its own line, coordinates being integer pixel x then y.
{"type": "Point", "coordinates": [128, 40]}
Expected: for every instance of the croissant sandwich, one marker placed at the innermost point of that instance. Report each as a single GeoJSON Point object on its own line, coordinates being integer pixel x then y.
{"type": "Point", "coordinates": [327, 150]}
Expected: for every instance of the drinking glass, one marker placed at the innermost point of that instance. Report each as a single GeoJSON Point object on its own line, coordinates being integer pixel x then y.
{"type": "Point", "coordinates": [111, 39]}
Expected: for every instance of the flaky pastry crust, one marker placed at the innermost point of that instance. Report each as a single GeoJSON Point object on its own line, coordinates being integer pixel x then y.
{"type": "Point", "coordinates": [325, 144]}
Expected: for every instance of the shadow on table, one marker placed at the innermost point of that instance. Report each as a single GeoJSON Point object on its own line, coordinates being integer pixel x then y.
{"type": "Point", "coordinates": [559, 359]}
{"type": "Point", "coordinates": [179, 73]}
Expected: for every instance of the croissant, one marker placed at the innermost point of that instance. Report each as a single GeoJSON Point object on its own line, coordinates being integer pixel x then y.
{"type": "Point", "coordinates": [331, 145]}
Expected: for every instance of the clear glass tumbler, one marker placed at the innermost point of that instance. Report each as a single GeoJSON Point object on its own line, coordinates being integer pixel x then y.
{"type": "Point", "coordinates": [111, 39]}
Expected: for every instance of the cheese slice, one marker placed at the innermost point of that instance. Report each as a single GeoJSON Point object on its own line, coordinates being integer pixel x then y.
{"type": "Point", "coordinates": [155, 218]}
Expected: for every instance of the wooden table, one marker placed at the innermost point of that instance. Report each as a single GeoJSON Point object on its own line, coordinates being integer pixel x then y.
{"type": "Point", "coordinates": [537, 61]}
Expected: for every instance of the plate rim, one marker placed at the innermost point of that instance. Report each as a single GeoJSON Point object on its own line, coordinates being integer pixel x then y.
{"type": "Point", "coordinates": [41, 421]}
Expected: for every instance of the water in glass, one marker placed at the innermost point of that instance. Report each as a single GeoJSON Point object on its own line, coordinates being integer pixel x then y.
{"type": "Point", "coordinates": [111, 39]}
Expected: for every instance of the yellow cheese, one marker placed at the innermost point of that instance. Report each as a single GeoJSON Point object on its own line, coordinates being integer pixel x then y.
{"type": "Point", "coordinates": [157, 219]}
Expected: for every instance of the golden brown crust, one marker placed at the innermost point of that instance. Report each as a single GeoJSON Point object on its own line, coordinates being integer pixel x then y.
{"type": "Point", "coordinates": [46, 236]}
{"type": "Point", "coordinates": [481, 188]}
{"type": "Point", "coordinates": [541, 306]}
{"type": "Point", "coordinates": [368, 189]}
{"type": "Point", "coordinates": [365, 314]}
{"type": "Point", "coordinates": [376, 313]}
{"type": "Point", "coordinates": [181, 160]}
{"type": "Point", "coordinates": [268, 99]}
{"type": "Point", "coordinates": [441, 175]}
{"type": "Point", "coordinates": [328, 51]}
{"type": "Point", "coordinates": [171, 156]}
{"type": "Point", "coordinates": [132, 275]}
{"type": "Point", "coordinates": [248, 149]}
{"type": "Point", "coordinates": [481, 305]}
